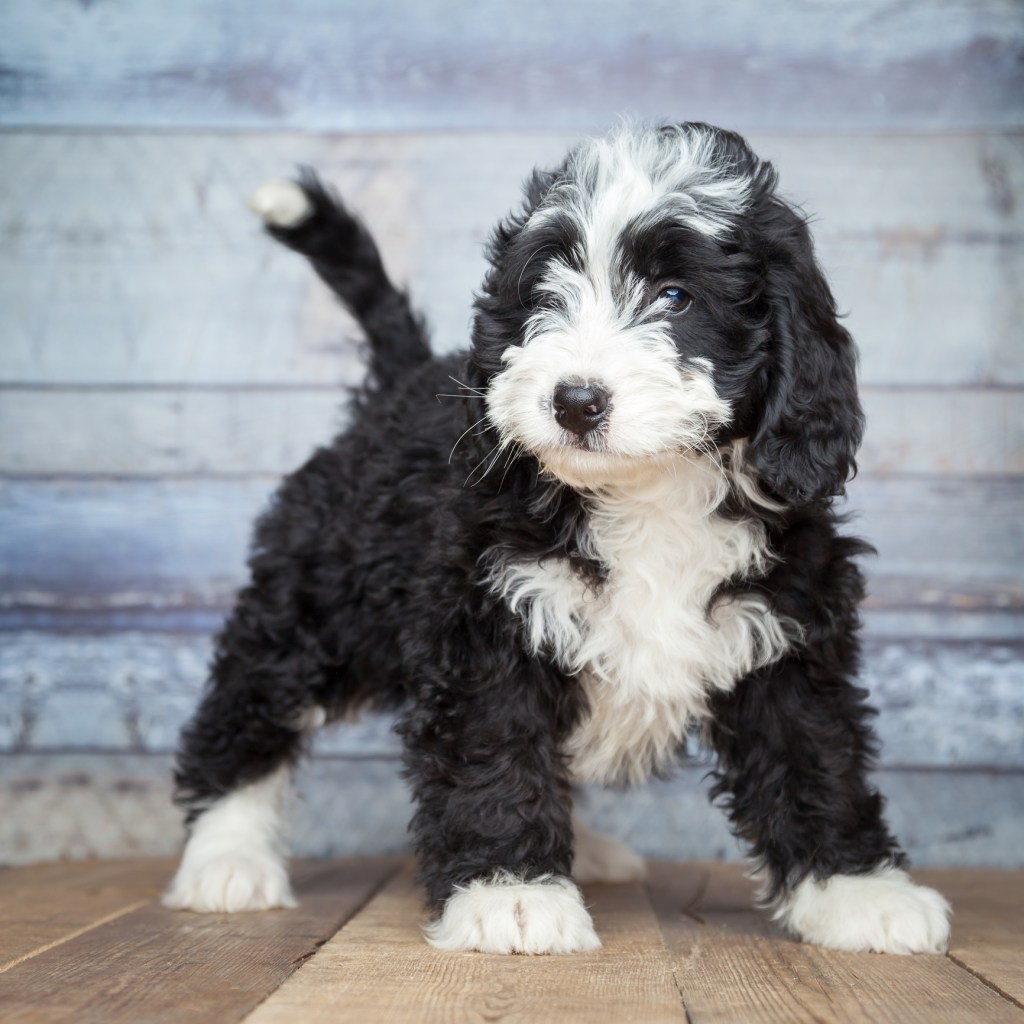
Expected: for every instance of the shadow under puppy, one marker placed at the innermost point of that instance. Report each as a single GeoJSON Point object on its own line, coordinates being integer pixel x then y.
{"type": "Point", "coordinates": [620, 526]}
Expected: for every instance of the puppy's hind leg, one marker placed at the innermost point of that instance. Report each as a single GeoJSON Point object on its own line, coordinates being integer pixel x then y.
{"type": "Point", "coordinates": [233, 774]}
{"type": "Point", "coordinates": [235, 856]}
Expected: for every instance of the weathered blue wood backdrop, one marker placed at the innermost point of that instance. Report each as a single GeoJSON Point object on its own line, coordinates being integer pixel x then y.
{"type": "Point", "coordinates": [161, 363]}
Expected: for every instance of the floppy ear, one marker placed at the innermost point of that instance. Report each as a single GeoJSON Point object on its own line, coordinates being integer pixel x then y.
{"type": "Point", "coordinates": [500, 312]}
{"type": "Point", "coordinates": [811, 424]}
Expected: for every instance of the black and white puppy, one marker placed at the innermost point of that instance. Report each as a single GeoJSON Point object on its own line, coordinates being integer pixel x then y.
{"type": "Point", "coordinates": [619, 529]}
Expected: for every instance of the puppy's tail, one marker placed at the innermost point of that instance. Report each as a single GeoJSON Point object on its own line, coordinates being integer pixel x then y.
{"type": "Point", "coordinates": [308, 218]}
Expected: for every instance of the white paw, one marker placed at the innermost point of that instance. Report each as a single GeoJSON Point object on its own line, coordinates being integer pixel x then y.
{"type": "Point", "coordinates": [281, 203]}
{"type": "Point", "coordinates": [505, 915]}
{"type": "Point", "coordinates": [234, 858]}
{"type": "Point", "coordinates": [230, 883]}
{"type": "Point", "coordinates": [601, 858]}
{"type": "Point", "coordinates": [882, 912]}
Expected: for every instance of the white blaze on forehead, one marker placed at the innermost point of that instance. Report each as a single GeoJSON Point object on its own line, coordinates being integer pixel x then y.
{"type": "Point", "coordinates": [628, 177]}
{"type": "Point", "coordinates": [629, 173]}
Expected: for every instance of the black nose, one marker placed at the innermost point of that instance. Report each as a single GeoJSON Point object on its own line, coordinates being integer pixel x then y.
{"type": "Point", "coordinates": [579, 407]}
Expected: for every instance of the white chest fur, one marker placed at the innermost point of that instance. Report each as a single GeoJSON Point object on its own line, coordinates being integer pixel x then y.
{"type": "Point", "coordinates": [643, 644]}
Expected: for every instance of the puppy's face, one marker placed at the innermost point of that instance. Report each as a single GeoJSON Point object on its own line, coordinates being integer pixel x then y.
{"type": "Point", "coordinates": [656, 298]}
{"type": "Point", "coordinates": [624, 322]}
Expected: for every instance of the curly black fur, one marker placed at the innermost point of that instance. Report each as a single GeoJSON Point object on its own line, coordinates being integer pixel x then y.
{"type": "Point", "coordinates": [368, 572]}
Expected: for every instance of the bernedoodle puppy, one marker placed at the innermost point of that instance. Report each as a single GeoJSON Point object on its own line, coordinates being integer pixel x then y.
{"type": "Point", "coordinates": [608, 524]}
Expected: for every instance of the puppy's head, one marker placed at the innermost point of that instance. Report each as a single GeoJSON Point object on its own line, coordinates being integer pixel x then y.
{"type": "Point", "coordinates": [655, 298]}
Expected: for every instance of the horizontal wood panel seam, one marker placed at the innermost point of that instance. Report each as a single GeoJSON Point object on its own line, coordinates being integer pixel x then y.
{"type": "Point", "coordinates": [343, 389]}
{"type": "Point", "coordinates": [14, 476]}
{"type": "Point", "coordinates": [156, 130]}
{"type": "Point", "coordinates": [906, 767]}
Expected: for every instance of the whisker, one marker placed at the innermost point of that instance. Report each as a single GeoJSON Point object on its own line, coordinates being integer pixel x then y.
{"type": "Point", "coordinates": [465, 387]}
{"type": "Point", "coordinates": [492, 455]}
{"type": "Point", "coordinates": [469, 475]}
{"type": "Point", "coordinates": [462, 435]}
{"type": "Point", "coordinates": [514, 451]}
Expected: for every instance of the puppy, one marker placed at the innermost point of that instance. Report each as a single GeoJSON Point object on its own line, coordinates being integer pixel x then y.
{"type": "Point", "coordinates": [615, 526]}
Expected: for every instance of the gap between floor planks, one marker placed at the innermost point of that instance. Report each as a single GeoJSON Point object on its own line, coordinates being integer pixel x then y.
{"type": "Point", "coordinates": [733, 964]}
{"type": "Point", "coordinates": [151, 964]}
{"type": "Point", "coordinates": [688, 948]}
{"type": "Point", "coordinates": [379, 968]}
{"type": "Point", "coordinates": [90, 894]}
{"type": "Point", "coordinates": [724, 962]}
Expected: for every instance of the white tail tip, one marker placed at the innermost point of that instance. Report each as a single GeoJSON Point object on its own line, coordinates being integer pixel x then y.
{"type": "Point", "coordinates": [281, 203]}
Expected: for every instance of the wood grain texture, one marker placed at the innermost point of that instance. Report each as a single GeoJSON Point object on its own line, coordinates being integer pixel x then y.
{"type": "Point", "coordinates": [380, 968]}
{"type": "Point", "coordinates": [907, 193]}
{"type": "Point", "coordinates": [732, 964]}
{"type": "Point", "coordinates": [988, 925]}
{"type": "Point", "coordinates": [133, 691]}
{"type": "Point", "coordinates": [108, 548]}
{"type": "Point", "coordinates": [77, 805]}
{"type": "Point", "coordinates": [686, 947]}
{"type": "Point", "coordinates": [322, 65]}
{"type": "Point", "coordinates": [44, 905]}
{"type": "Point", "coordinates": [218, 432]}
{"type": "Point", "coordinates": [140, 243]}
{"type": "Point", "coordinates": [157, 965]}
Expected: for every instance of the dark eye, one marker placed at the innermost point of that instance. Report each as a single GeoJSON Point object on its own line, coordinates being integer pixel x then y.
{"type": "Point", "coordinates": [679, 300]}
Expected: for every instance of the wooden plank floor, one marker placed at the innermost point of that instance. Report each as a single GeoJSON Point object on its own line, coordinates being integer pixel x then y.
{"type": "Point", "coordinates": [89, 942]}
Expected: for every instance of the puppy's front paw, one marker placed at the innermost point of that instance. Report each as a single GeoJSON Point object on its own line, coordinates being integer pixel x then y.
{"type": "Point", "coordinates": [506, 915]}
{"type": "Point", "coordinates": [882, 912]}
{"type": "Point", "coordinates": [229, 882]}
{"type": "Point", "coordinates": [601, 858]}
{"type": "Point", "coordinates": [281, 203]}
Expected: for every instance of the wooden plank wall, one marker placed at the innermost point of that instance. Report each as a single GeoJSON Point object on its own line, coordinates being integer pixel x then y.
{"type": "Point", "coordinates": [161, 364]}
